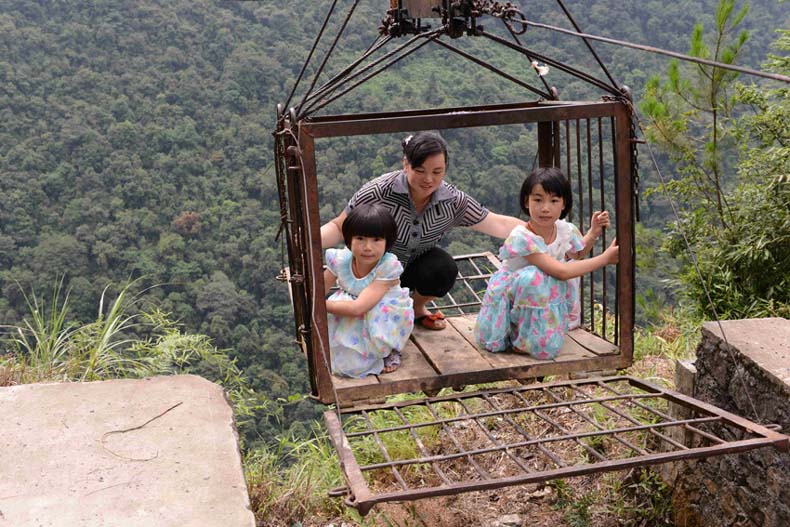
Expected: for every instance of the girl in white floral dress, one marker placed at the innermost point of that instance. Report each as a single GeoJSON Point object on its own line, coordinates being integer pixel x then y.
{"type": "Point", "coordinates": [532, 300]}
{"type": "Point", "coordinates": [370, 316]}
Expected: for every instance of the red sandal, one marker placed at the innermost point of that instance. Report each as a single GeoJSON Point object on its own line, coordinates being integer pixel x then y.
{"type": "Point", "coordinates": [434, 321]}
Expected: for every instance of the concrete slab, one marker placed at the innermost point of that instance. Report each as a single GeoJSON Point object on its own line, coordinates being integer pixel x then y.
{"type": "Point", "coordinates": [154, 452]}
{"type": "Point", "coordinates": [766, 341]}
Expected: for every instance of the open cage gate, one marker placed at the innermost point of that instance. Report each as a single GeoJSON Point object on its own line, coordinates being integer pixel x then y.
{"type": "Point", "coordinates": [530, 434]}
{"type": "Point", "coordinates": [590, 141]}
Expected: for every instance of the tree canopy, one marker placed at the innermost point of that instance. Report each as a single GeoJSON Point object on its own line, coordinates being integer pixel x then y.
{"type": "Point", "coordinates": [135, 143]}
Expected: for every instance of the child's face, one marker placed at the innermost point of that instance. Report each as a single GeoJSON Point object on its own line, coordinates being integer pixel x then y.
{"type": "Point", "coordinates": [368, 250]}
{"type": "Point", "coordinates": [544, 208]}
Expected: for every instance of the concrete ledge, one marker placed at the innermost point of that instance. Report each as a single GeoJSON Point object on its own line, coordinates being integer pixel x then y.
{"type": "Point", "coordinates": [154, 452]}
{"type": "Point", "coordinates": [763, 341]}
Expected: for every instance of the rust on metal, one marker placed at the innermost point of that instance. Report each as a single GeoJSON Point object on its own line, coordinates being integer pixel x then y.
{"type": "Point", "coordinates": [525, 434]}
{"type": "Point", "coordinates": [406, 121]}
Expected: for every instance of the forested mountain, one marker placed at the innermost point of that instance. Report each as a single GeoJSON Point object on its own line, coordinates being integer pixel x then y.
{"type": "Point", "coordinates": [135, 142]}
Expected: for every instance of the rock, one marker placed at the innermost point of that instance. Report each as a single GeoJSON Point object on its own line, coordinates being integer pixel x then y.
{"type": "Point", "coordinates": [509, 520]}
{"type": "Point", "coordinates": [744, 374]}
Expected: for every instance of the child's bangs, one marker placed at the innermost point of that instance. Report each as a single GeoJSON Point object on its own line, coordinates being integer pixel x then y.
{"type": "Point", "coordinates": [372, 221]}
{"type": "Point", "coordinates": [371, 227]}
{"type": "Point", "coordinates": [552, 185]}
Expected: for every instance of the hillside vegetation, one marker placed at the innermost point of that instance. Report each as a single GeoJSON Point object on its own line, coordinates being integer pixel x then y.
{"type": "Point", "coordinates": [135, 144]}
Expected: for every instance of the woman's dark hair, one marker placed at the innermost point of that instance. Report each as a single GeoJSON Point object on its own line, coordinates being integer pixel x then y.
{"type": "Point", "coordinates": [553, 181]}
{"type": "Point", "coordinates": [418, 147]}
{"type": "Point", "coordinates": [371, 220]}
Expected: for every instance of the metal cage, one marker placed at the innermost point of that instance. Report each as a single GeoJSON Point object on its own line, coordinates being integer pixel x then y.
{"type": "Point", "coordinates": [591, 141]}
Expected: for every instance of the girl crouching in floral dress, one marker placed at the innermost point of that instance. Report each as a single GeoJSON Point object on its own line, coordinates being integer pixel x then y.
{"type": "Point", "coordinates": [529, 301]}
{"type": "Point", "coordinates": [370, 316]}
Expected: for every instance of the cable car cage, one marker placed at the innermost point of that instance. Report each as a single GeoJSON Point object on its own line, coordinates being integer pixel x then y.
{"type": "Point", "coordinates": [594, 143]}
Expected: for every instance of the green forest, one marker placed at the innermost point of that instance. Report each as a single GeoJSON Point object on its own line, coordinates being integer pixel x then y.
{"type": "Point", "coordinates": [136, 157]}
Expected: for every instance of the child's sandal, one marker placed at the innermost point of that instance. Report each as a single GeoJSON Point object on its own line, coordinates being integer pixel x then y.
{"type": "Point", "coordinates": [391, 362]}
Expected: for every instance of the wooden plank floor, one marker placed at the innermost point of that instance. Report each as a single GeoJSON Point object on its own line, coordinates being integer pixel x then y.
{"type": "Point", "coordinates": [440, 358]}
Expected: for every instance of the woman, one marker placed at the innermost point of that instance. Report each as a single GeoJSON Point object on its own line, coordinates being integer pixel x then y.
{"type": "Point", "coordinates": [425, 207]}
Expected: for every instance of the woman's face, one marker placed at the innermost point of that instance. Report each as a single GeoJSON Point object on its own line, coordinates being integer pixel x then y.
{"type": "Point", "coordinates": [425, 179]}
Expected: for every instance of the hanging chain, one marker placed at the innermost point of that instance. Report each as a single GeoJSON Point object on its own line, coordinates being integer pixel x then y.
{"type": "Point", "coordinates": [635, 165]}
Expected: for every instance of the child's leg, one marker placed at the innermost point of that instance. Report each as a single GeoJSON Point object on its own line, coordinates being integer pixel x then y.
{"type": "Point", "coordinates": [574, 303]}
{"type": "Point", "coordinates": [388, 326]}
{"type": "Point", "coordinates": [349, 349]}
{"type": "Point", "coordinates": [540, 342]}
{"type": "Point", "coordinates": [540, 313]}
{"type": "Point", "coordinates": [492, 328]}
{"type": "Point", "coordinates": [430, 276]}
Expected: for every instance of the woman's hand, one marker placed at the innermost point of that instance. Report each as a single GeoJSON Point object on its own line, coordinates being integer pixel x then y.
{"type": "Point", "coordinates": [332, 231]}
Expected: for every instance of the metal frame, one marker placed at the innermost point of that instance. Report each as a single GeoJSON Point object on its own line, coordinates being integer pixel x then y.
{"type": "Point", "coordinates": [297, 181]}
{"type": "Point", "coordinates": [607, 424]}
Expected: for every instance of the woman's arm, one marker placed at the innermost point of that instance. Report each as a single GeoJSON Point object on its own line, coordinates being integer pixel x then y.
{"type": "Point", "coordinates": [332, 231]}
{"type": "Point", "coordinates": [369, 297]}
{"type": "Point", "coordinates": [497, 225]}
{"type": "Point", "coordinates": [572, 269]}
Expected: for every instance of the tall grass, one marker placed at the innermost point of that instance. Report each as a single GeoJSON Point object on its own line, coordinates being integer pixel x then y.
{"type": "Point", "coordinates": [290, 482]}
{"type": "Point", "coordinates": [45, 346]}
{"type": "Point", "coordinates": [40, 345]}
{"type": "Point", "coordinates": [674, 336]}
{"type": "Point", "coordinates": [124, 341]}
{"type": "Point", "coordinates": [100, 346]}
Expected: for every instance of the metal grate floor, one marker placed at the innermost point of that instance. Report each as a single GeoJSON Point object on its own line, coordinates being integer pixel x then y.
{"type": "Point", "coordinates": [488, 439]}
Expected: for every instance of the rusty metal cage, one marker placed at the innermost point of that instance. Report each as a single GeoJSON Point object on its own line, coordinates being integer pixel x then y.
{"type": "Point", "coordinates": [591, 141]}
{"type": "Point", "coordinates": [524, 434]}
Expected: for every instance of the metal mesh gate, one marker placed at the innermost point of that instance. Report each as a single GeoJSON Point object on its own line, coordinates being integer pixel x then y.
{"type": "Point", "coordinates": [525, 434]}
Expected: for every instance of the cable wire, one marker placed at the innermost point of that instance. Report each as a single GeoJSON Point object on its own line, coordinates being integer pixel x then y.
{"type": "Point", "coordinates": [693, 257]}
{"type": "Point", "coordinates": [556, 64]}
{"type": "Point", "coordinates": [313, 108]}
{"type": "Point", "coordinates": [651, 49]}
{"type": "Point", "coordinates": [589, 46]}
{"type": "Point", "coordinates": [494, 69]}
{"type": "Point", "coordinates": [333, 83]}
{"type": "Point", "coordinates": [310, 55]}
{"type": "Point", "coordinates": [329, 52]}
{"type": "Point", "coordinates": [515, 37]}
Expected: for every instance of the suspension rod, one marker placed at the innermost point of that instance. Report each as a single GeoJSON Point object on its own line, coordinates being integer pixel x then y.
{"type": "Point", "coordinates": [494, 69]}
{"type": "Point", "coordinates": [551, 62]}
